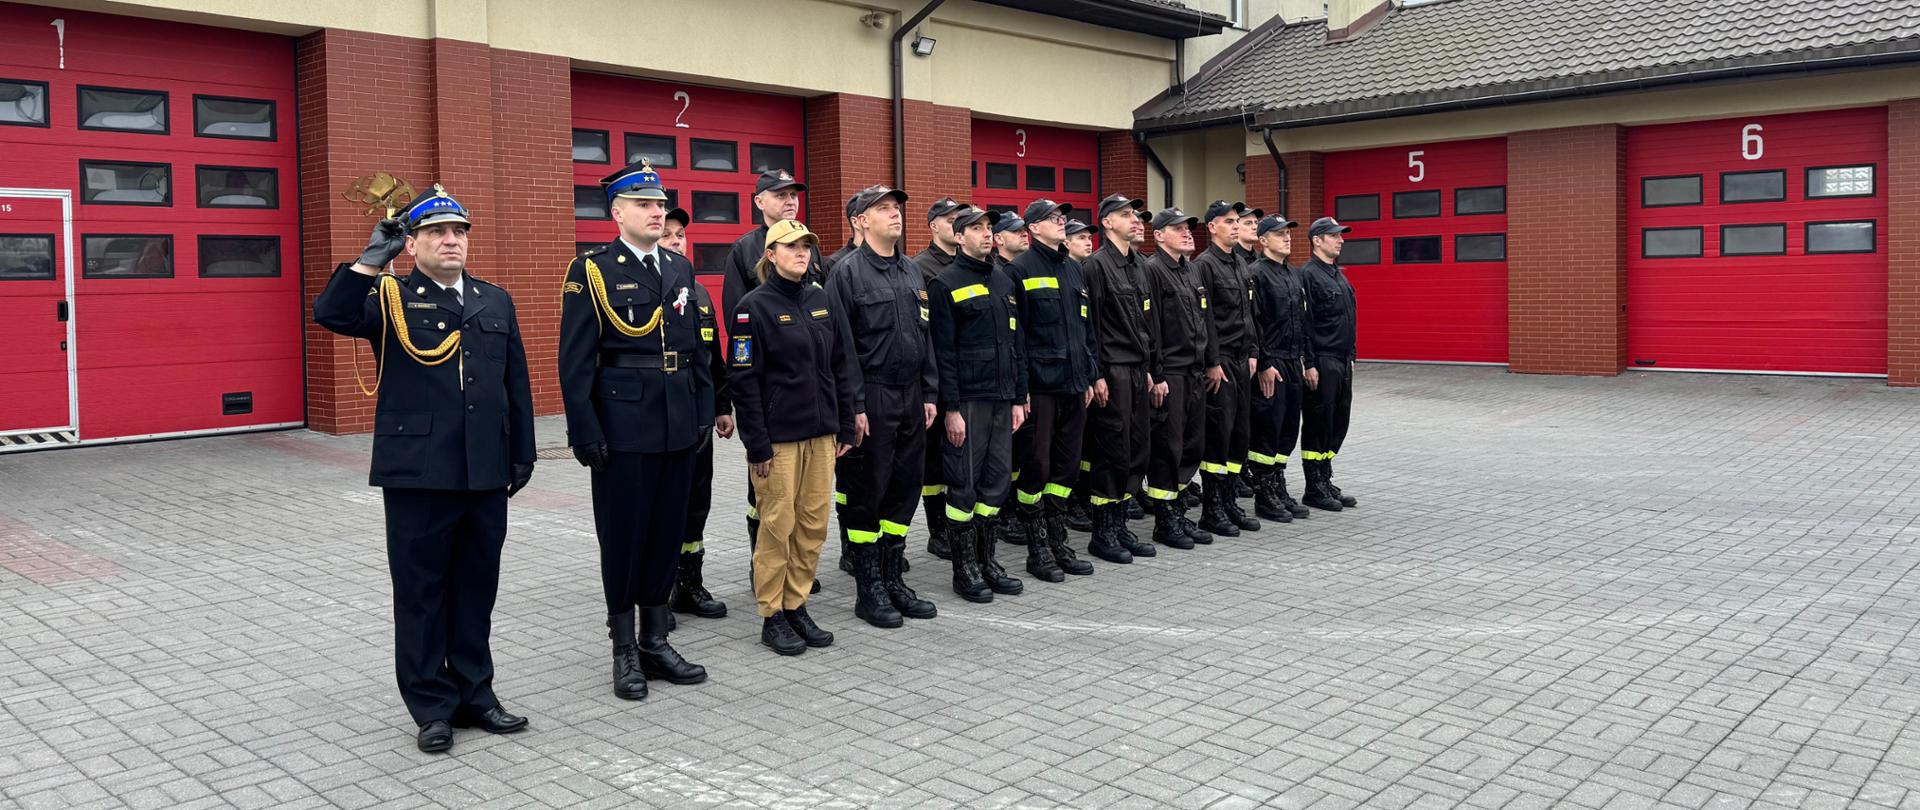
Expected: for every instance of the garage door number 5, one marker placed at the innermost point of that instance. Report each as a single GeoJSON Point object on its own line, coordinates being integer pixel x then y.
{"type": "Point", "coordinates": [1751, 147]}
{"type": "Point", "coordinates": [686, 101]}
{"type": "Point", "coordinates": [1418, 166]}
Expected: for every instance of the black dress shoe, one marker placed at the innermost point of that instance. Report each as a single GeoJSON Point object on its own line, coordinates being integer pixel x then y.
{"type": "Point", "coordinates": [496, 720]}
{"type": "Point", "coordinates": [435, 736]}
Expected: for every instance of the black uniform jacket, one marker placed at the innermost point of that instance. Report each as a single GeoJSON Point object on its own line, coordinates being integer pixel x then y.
{"type": "Point", "coordinates": [745, 255]}
{"type": "Point", "coordinates": [791, 378]}
{"type": "Point", "coordinates": [715, 399]}
{"type": "Point", "coordinates": [932, 262]}
{"type": "Point", "coordinates": [457, 425]}
{"type": "Point", "coordinates": [1179, 313]}
{"type": "Point", "coordinates": [637, 393]}
{"type": "Point", "coordinates": [882, 305]}
{"type": "Point", "coordinates": [976, 335]}
{"type": "Point", "coordinates": [1280, 309]}
{"type": "Point", "coordinates": [1122, 308]}
{"type": "Point", "coordinates": [1230, 304]}
{"type": "Point", "coordinates": [1056, 315]}
{"type": "Point", "coordinates": [1331, 312]}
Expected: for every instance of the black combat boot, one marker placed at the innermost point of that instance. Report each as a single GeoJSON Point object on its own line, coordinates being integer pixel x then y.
{"type": "Point", "coordinates": [775, 632]}
{"type": "Point", "coordinates": [1011, 531]}
{"type": "Point", "coordinates": [967, 581]}
{"type": "Point", "coordinates": [846, 553]}
{"type": "Point", "coordinates": [1286, 499]}
{"type": "Point", "coordinates": [1133, 510]}
{"type": "Point", "coordinates": [938, 527]}
{"type": "Point", "coordinates": [690, 594]}
{"type": "Point", "coordinates": [1230, 506]}
{"type": "Point", "coordinates": [1317, 494]}
{"type": "Point", "coordinates": [1326, 474]}
{"type": "Point", "coordinates": [1079, 517]}
{"type": "Point", "coordinates": [1166, 527]}
{"type": "Point", "coordinates": [997, 577]}
{"type": "Point", "coordinates": [1213, 516]}
{"type": "Point", "coordinates": [1186, 524]}
{"type": "Point", "coordinates": [893, 560]}
{"type": "Point", "coordinates": [1040, 561]}
{"type": "Point", "coordinates": [1105, 542]}
{"type": "Point", "coordinates": [870, 602]}
{"type": "Point", "coordinates": [1189, 495]}
{"type": "Point", "coordinates": [1241, 487]}
{"type": "Point", "coordinates": [803, 626]}
{"type": "Point", "coordinates": [629, 683]}
{"type": "Point", "coordinates": [1265, 502]}
{"type": "Point", "coordinates": [657, 658]}
{"type": "Point", "coordinates": [1056, 528]}
{"type": "Point", "coordinates": [1128, 540]}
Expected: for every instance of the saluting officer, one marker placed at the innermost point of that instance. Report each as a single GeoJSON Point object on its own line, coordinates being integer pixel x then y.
{"type": "Point", "coordinates": [777, 194]}
{"type": "Point", "coordinates": [1060, 353]}
{"type": "Point", "coordinates": [931, 262]}
{"type": "Point", "coordinates": [629, 357]}
{"type": "Point", "coordinates": [1331, 320]}
{"type": "Point", "coordinates": [1230, 371]}
{"type": "Point", "coordinates": [1179, 398]}
{"type": "Point", "coordinates": [452, 441]}
{"type": "Point", "coordinates": [983, 393]}
{"type": "Point", "coordinates": [885, 327]}
{"type": "Point", "coordinates": [1280, 309]}
{"type": "Point", "coordinates": [1119, 422]}
{"type": "Point", "coordinates": [689, 590]}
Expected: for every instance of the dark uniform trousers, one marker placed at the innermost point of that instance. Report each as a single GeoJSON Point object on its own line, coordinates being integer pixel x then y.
{"type": "Point", "coordinates": [979, 472]}
{"type": "Point", "coordinates": [1229, 424]}
{"type": "Point", "coordinates": [1046, 451]}
{"type": "Point", "coordinates": [1328, 410]}
{"type": "Point", "coordinates": [443, 550]}
{"type": "Point", "coordinates": [699, 500]}
{"type": "Point", "coordinates": [640, 514]}
{"type": "Point", "coordinates": [1276, 419]}
{"type": "Point", "coordinates": [879, 481]}
{"type": "Point", "coordinates": [1119, 433]}
{"type": "Point", "coordinates": [1179, 427]}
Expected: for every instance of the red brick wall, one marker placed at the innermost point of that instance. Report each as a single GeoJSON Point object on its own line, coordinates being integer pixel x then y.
{"type": "Point", "coordinates": [939, 148]}
{"type": "Point", "coordinates": [1306, 189]}
{"type": "Point", "coordinates": [850, 147]}
{"type": "Point", "coordinates": [1903, 242]}
{"type": "Point", "coordinates": [1566, 250]}
{"type": "Point", "coordinates": [490, 125]}
{"type": "Point", "coordinates": [1123, 170]}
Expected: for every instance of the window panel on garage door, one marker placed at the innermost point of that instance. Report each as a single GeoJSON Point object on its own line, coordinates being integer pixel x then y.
{"type": "Point", "coordinates": [1015, 164]}
{"type": "Point", "coordinates": [709, 145]}
{"type": "Point", "coordinates": [1428, 251]}
{"type": "Point", "coordinates": [187, 311]}
{"type": "Point", "coordinates": [1754, 244]}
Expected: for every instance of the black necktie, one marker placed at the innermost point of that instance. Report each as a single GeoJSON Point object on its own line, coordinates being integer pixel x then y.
{"type": "Point", "coordinates": [647, 262]}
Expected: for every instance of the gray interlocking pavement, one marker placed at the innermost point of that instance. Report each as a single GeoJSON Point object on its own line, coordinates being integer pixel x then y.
{"type": "Point", "coordinates": [1649, 591]}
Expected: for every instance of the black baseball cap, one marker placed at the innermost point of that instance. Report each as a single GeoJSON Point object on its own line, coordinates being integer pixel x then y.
{"type": "Point", "coordinates": [1043, 208]}
{"type": "Point", "coordinates": [777, 180]}
{"type": "Point", "coordinates": [1076, 227]}
{"type": "Point", "coordinates": [1115, 202]}
{"type": "Point", "coordinates": [942, 207]}
{"type": "Point", "coordinates": [867, 197]}
{"type": "Point", "coordinates": [967, 216]}
{"type": "Point", "coordinates": [679, 215]}
{"type": "Point", "coordinates": [1324, 226]}
{"type": "Point", "coordinates": [1270, 224]}
{"type": "Point", "coordinates": [1220, 208]}
{"type": "Point", "coordinates": [1004, 221]}
{"type": "Point", "coordinates": [1169, 217]}
{"type": "Point", "coordinates": [1256, 213]}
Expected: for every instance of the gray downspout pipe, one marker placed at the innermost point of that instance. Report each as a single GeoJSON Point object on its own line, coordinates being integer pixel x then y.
{"type": "Point", "coordinates": [1166, 177]}
{"type": "Point", "coordinates": [899, 91]}
{"type": "Point", "coordinates": [1266, 134]}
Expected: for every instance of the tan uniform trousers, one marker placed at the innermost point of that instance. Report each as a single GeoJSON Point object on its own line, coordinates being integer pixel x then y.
{"type": "Point", "coordinates": [794, 499]}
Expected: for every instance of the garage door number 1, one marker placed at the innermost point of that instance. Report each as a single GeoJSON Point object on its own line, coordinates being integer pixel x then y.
{"type": "Point", "coordinates": [1418, 166]}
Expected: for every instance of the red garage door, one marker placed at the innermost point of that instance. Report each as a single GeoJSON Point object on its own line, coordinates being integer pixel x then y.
{"type": "Point", "coordinates": [177, 272]}
{"type": "Point", "coordinates": [709, 145]}
{"type": "Point", "coordinates": [1759, 244]}
{"type": "Point", "coordinates": [1428, 251]}
{"type": "Point", "coordinates": [1015, 164]}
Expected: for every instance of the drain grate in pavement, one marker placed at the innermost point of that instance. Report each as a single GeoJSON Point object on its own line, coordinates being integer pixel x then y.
{"type": "Point", "coordinates": [554, 452]}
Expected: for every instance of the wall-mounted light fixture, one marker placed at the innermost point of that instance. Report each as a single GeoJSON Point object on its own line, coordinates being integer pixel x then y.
{"type": "Point", "coordinates": [923, 44]}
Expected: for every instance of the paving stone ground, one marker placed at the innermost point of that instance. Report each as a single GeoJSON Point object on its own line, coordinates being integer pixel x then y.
{"type": "Point", "coordinates": [1648, 591]}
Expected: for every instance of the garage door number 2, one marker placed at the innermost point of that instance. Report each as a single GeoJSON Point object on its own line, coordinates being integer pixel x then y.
{"type": "Point", "coordinates": [686, 101]}
{"type": "Point", "coordinates": [1418, 166]}
{"type": "Point", "coordinates": [1751, 146]}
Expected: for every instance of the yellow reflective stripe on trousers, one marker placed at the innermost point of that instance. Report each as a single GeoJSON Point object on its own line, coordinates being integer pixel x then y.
{"type": "Point", "coordinates": [695, 546]}
{"type": "Point", "coordinates": [1041, 283]}
{"type": "Point", "coordinates": [1099, 501]}
{"type": "Point", "coordinates": [1211, 467]}
{"type": "Point", "coordinates": [969, 291]}
{"type": "Point", "coordinates": [895, 529]}
{"type": "Point", "coordinates": [1258, 458]}
{"type": "Point", "coordinates": [984, 510]}
{"type": "Point", "coordinates": [958, 515]}
{"type": "Point", "coordinates": [1234, 467]}
{"type": "Point", "coordinates": [858, 536]}
{"type": "Point", "coordinates": [840, 498]}
{"type": "Point", "coordinates": [1159, 494]}
{"type": "Point", "coordinates": [1027, 498]}
{"type": "Point", "coordinates": [1309, 455]}
{"type": "Point", "coordinates": [1059, 490]}
{"type": "Point", "coordinates": [931, 490]}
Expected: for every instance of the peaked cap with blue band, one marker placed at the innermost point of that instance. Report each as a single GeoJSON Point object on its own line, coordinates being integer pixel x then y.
{"type": "Point", "coordinates": [433, 209]}
{"type": "Point", "coordinates": [637, 181]}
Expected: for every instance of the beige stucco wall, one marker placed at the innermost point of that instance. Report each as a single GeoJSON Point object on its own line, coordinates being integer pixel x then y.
{"type": "Point", "coordinates": [1200, 49]}
{"type": "Point", "coordinates": [1063, 72]}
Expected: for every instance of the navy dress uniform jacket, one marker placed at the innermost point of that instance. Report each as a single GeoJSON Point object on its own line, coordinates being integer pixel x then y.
{"type": "Point", "coordinates": [638, 394]}
{"type": "Point", "coordinates": [459, 425]}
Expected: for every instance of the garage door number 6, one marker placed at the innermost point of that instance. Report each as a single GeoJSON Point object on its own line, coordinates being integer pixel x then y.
{"type": "Point", "coordinates": [1751, 147]}
{"type": "Point", "coordinates": [1418, 166]}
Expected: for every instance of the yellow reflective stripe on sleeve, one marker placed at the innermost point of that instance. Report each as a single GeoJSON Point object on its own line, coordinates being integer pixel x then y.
{"type": "Point", "coordinates": [1234, 468]}
{"type": "Point", "coordinates": [858, 536]}
{"type": "Point", "coordinates": [895, 529]}
{"type": "Point", "coordinates": [1258, 458]}
{"type": "Point", "coordinates": [1210, 467]}
{"type": "Point", "coordinates": [969, 291]}
{"type": "Point", "coordinates": [1041, 283]}
{"type": "Point", "coordinates": [1059, 490]}
{"type": "Point", "coordinates": [1027, 498]}
{"type": "Point", "coordinates": [1159, 494]}
{"type": "Point", "coordinates": [933, 489]}
{"type": "Point", "coordinates": [984, 510]}
{"type": "Point", "coordinates": [959, 515]}
{"type": "Point", "coordinates": [693, 547]}
{"type": "Point", "coordinates": [840, 498]}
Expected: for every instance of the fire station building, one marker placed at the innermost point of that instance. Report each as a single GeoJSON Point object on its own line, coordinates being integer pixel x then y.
{"type": "Point", "coordinates": [1695, 184]}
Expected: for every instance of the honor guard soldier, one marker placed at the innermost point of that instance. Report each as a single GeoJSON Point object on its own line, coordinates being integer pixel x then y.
{"type": "Point", "coordinates": [1060, 351]}
{"type": "Point", "coordinates": [932, 262]}
{"type": "Point", "coordinates": [629, 376]}
{"type": "Point", "coordinates": [452, 441]}
{"type": "Point", "coordinates": [1230, 371]}
{"type": "Point", "coordinates": [983, 391]}
{"type": "Point", "coordinates": [1280, 310]}
{"type": "Point", "coordinates": [1119, 418]}
{"type": "Point", "coordinates": [689, 590]}
{"type": "Point", "coordinates": [1331, 318]}
{"type": "Point", "coordinates": [1185, 343]}
{"type": "Point", "coordinates": [1080, 238]}
{"type": "Point", "coordinates": [794, 383]}
{"type": "Point", "coordinates": [777, 194]}
{"type": "Point", "coordinates": [884, 325]}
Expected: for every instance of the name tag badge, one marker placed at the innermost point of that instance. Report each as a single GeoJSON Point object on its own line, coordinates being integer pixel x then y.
{"type": "Point", "coordinates": [1146, 305]}
{"type": "Point", "coordinates": [1083, 310]}
{"type": "Point", "coordinates": [785, 318]}
{"type": "Point", "coordinates": [1203, 302]}
{"type": "Point", "coordinates": [819, 314]}
{"type": "Point", "coordinates": [626, 286]}
{"type": "Point", "coordinates": [422, 305]}
{"type": "Point", "coordinates": [1013, 324]}
{"type": "Point", "coordinates": [923, 313]}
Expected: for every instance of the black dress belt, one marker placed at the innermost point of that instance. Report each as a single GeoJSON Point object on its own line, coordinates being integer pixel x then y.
{"type": "Point", "coordinates": [670, 362]}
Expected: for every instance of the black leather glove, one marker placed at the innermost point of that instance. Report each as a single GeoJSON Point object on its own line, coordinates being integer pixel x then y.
{"type": "Point", "coordinates": [522, 473]}
{"type": "Point", "coordinates": [388, 240]}
{"type": "Point", "coordinates": [591, 456]}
